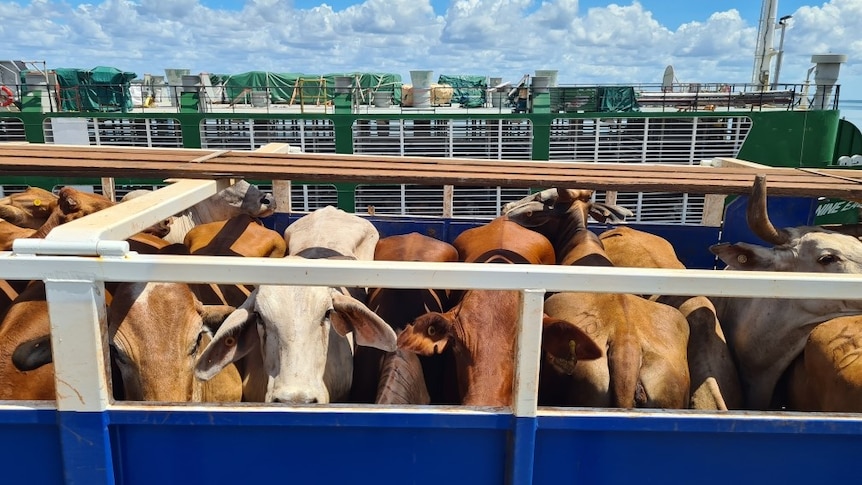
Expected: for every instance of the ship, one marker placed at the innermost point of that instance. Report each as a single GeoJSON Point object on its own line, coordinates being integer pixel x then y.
{"type": "Point", "coordinates": [85, 437]}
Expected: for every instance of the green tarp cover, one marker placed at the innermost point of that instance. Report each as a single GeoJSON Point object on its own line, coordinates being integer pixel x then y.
{"type": "Point", "coordinates": [302, 88]}
{"type": "Point", "coordinates": [468, 91]}
{"type": "Point", "coordinates": [610, 99]}
{"type": "Point", "coordinates": [98, 89]}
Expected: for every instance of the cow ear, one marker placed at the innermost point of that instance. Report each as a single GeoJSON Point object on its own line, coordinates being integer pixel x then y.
{"type": "Point", "coordinates": [428, 335]}
{"type": "Point", "coordinates": [33, 354]}
{"type": "Point", "coordinates": [564, 340]}
{"type": "Point", "coordinates": [236, 337]}
{"type": "Point", "coordinates": [214, 315]}
{"type": "Point", "coordinates": [368, 328]}
{"type": "Point", "coordinates": [743, 256]}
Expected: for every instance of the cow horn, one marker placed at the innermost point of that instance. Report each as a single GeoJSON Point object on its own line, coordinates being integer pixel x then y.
{"type": "Point", "coordinates": [758, 218]}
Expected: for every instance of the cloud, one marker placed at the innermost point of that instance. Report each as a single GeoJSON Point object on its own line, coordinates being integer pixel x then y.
{"type": "Point", "coordinates": [616, 43]}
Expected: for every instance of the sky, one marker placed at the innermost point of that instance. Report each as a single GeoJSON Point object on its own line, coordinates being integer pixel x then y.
{"type": "Point", "coordinates": [586, 41]}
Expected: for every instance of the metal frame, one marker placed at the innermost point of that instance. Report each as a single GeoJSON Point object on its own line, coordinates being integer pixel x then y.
{"type": "Point", "coordinates": [77, 259]}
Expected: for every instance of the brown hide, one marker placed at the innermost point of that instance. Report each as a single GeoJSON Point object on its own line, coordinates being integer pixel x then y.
{"type": "Point", "coordinates": [10, 232]}
{"type": "Point", "coordinates": [27, 317]}
{"type": "Point", "coordinates": [504, 241]}
{"type": "Point", "coordinates": [25, 321]}
{"type": "Point", "coordinates": [481, 330]}
{"type": "Point", "coordinates": [629, 326]}
{"type": "Point", "coordinates": [827, 375]}
{"type": "Point", "coordinates": [72, 204]}
{"type": "Point", "coordinates": [391, 378]}
{"type": "Point", "coordinates": [714, 379]}
{"type": "Point", "coordinates": [157, 331]}
{"type": "Point", "coordinates": [240, 235]}
{"type": "Point", "coordinates": [28, 209]}
{"type": "Point", "coordinates": [627, 247]}
{"type": "Point", "coordinates": [655, 374]}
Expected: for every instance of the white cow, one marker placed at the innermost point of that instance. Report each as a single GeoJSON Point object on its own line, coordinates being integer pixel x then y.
{"type": "Point", "coordinates": [240, 198]}
{"type": "Point", "coordinates": [766, 334]}
{"type": "Point", "coordinates": [303, 332]}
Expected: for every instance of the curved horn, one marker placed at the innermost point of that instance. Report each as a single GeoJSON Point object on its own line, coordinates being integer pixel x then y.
{"type": "Point", "coordinates": [757, 217]}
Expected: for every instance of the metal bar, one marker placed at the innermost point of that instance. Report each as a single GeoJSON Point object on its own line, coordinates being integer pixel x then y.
{"type": "Point", "coordinates": [222, 269]}
{"type": "Point", "coordinates": [123, 220]}
{"type": "Point", "coordinates": [76, 308]}
{"type": "Point", "coordinates": [528, 353]}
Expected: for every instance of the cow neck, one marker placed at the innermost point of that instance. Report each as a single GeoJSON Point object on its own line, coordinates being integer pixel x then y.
{"type": "Point", "coordinates": [486, 335]}
{"type": "Point", "coordinates": [573, 241]}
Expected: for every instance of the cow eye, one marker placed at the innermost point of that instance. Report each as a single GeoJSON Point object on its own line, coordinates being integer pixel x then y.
{"type": "Point", "coordinates": [197, 344]}
{"type": "Point", "coordinates": [827, 259]}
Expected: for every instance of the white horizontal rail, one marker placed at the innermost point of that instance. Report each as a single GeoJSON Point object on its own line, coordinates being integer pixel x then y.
{"type": "Point", "coordinates": [296, 271]}
{"type": "Point", "coordinates": [124, 220]}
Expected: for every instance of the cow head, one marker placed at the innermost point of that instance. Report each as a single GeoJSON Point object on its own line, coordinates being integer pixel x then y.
{"type": "Point", "coordinates": [29, 209]}
{"type": "Point", "coordinates": [240, 198]}
{"type": "Point", "coordinates": [546, 206]}
{"type": "Point", "coordinates": [561, 216]}
{"type": "Point", "coordinates": [301, 333]}
{"type": "Point", "coordinates": [804, 249]}
{"type": "Point", "coordinates": [156, 331]}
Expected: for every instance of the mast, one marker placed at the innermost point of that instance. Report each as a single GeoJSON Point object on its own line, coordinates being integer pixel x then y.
{"type": "Point", "coordinates": [764, 50]}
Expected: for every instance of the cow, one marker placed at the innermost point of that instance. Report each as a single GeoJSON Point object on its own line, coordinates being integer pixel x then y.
{"type": "Point", "coordinates": [26, 373]}
{"type": "Point", "coordinates": [766, 334]}
{"type": "Point", "coordinates": [301, 331]}
{"type": "Point", "coordinates": [156, 331]}
{"type": "Point", "coordinates": [402, 377]}
{"type": "Point", "coordinates": [25, 356]}
{"type": "Point", "coordinates": [240, 198]}
{"type": "Point", "coordinates": [646, 363]}
{"type": "Point", "coordinates": [481, 329]}
{"type": "Point", "coordinates": [714, 379]}
{"type": "Point", "coordinates": [28, 209]}
{"type": "Point", "coordinates": [827, 375]}
{"type": "Point", "coordinates": [244, 236]}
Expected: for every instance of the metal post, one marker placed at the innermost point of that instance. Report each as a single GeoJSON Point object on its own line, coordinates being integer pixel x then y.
{"type": "Point", "coordinates": [782, 22]}
{"type": "Point", "coordinates": [528, 352]}
{"type": "Point", "coordinates": [78, 318]}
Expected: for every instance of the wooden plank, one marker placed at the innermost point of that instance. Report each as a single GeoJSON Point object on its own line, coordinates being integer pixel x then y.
{"type": "Point", "coordinates": [736, 178]}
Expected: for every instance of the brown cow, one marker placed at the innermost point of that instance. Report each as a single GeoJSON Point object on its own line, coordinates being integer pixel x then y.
{"type": "Point", "coordinates": [26, 322]}
{"type": "Point", "coordinates": [827, 375]}
{"type": "Point", "coordinates": [25, 357]}
{"type": "Point", "coordinates": [646, 363]}
{"type": "Point", "coordinates": [714, 379]}
{"type": "Point", "coordinates": [29, 209]}
{"type": "Point", "coordinates": [156, 332]}
{"type": "Point", "coordinates": [392, 378]}
{"type": "Point", "coordinates": [482, 328]}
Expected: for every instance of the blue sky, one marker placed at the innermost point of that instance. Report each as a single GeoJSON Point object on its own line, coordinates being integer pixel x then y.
{"type": "Point", "coordinates": [587, 41]}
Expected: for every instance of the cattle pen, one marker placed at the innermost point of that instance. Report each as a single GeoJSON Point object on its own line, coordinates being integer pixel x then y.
{"type": "Point", "coordinates": [85, 437]}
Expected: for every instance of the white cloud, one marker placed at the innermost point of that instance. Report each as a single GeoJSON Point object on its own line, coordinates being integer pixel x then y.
{"type": "Point", "coordinates": [616, 43]}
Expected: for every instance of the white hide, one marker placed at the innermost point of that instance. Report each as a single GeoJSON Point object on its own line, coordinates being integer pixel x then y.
{"type": "Point", "coordinates": [766, 334]}
{"type": "Point", "coordinates": [302, 335]}
{"type": "Point", "coordinates": [240, 198]}
{"type": "Point", "coordinates": [334, 229]}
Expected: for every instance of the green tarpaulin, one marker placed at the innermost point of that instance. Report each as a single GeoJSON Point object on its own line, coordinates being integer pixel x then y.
{"type": "Point", "coordinates": [608, 99]}
{"type": "Point", "coordinates": [468, 91]}
{"type": "Point", "coordinates": [98, 89]}
{"type": "Point", "coordinates": [301, 88]}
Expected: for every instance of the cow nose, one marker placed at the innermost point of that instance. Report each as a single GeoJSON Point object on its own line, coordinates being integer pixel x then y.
{"type": "Point", "coordinates": [265, 201]}
{"type": "Point", "coordinates": [295, 398]}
